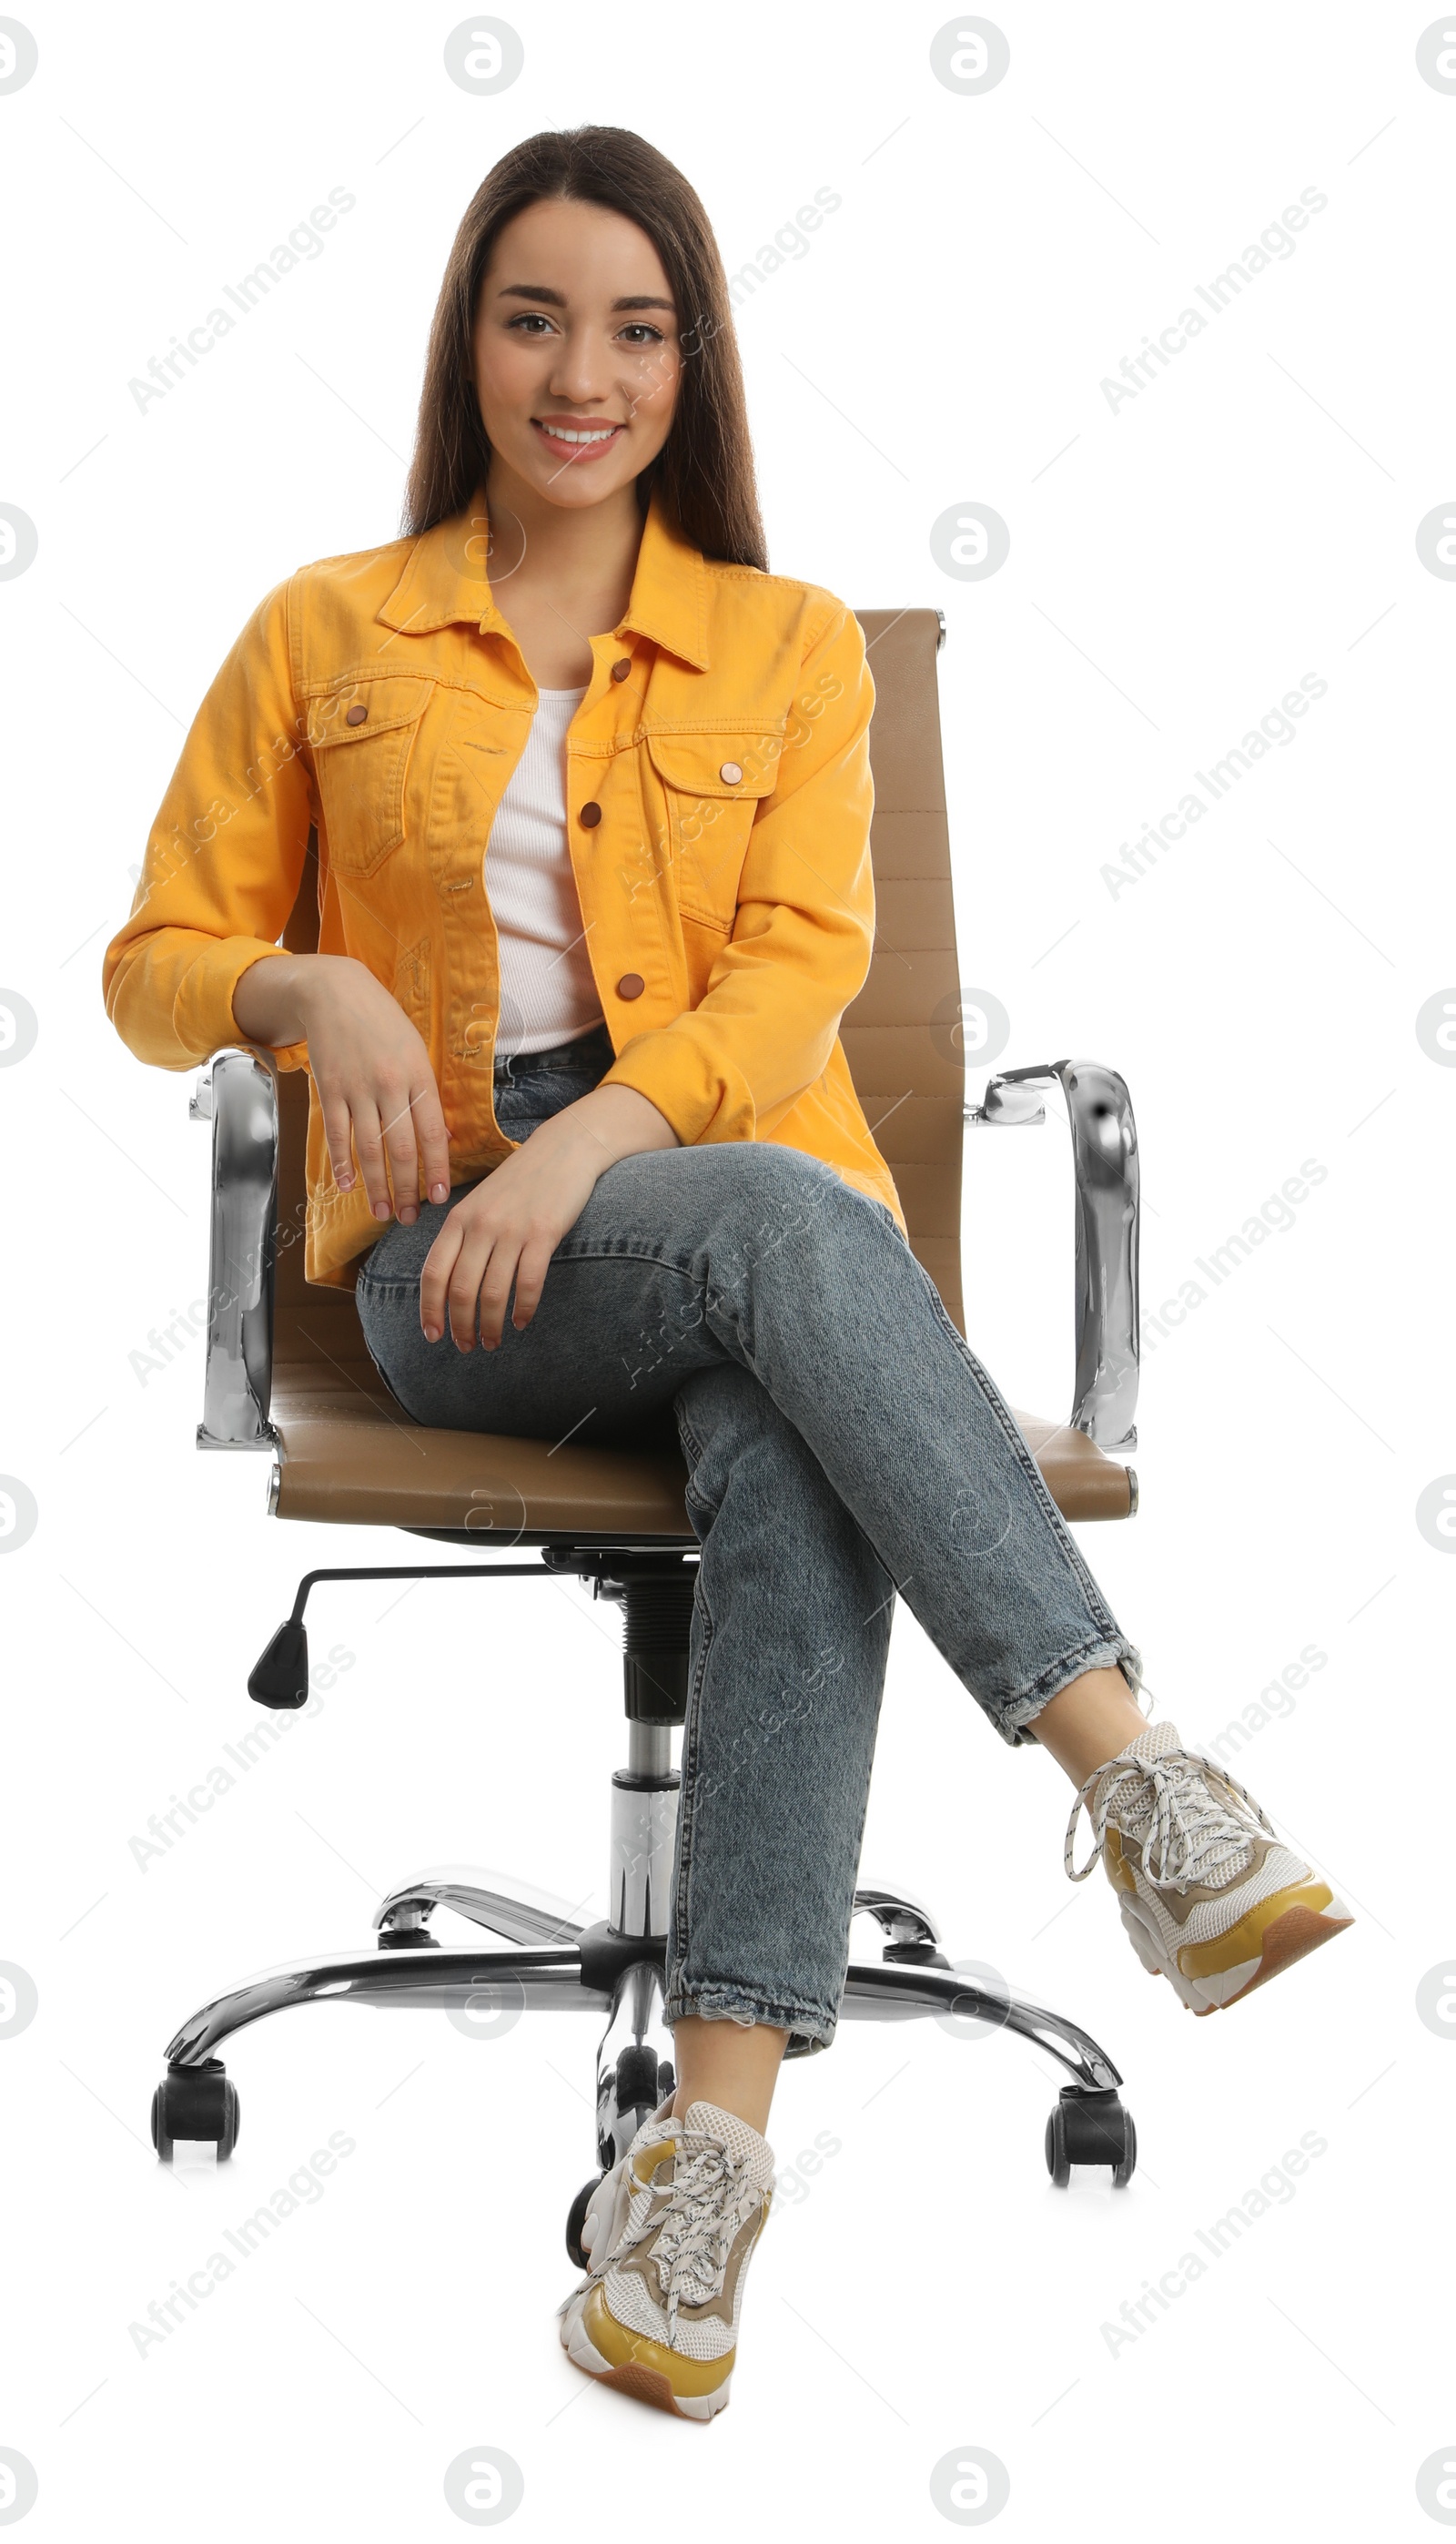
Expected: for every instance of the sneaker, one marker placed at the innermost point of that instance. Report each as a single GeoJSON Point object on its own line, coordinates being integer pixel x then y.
{"type": "Point", "coordinates": [1210, 1898]}
{"type": "Point", "coordinates": [668, 2237]}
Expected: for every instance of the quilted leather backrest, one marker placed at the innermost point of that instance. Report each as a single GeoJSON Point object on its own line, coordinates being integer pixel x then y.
{"type": "Point", "coordinates": [902, 1034]}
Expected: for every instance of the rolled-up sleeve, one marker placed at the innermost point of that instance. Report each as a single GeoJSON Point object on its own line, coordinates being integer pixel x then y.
{"type": "Point", "coordinates": [802, 935]}
{"type": "Point", "coordinates": [223, 861]}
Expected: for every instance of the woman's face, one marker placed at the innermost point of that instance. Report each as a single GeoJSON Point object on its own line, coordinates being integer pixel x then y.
{"type": "Point", "coordinates": [575, 329]}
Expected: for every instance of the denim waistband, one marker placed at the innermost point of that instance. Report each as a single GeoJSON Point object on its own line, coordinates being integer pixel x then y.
{"type": "Point", "coordinates": [588, 1052]}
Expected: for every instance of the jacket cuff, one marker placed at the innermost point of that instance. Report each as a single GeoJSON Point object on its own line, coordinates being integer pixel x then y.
{"type": "Point", "coordinates": [203, 1013]}
{"type": "Point", "coordinates": [673, 1075]}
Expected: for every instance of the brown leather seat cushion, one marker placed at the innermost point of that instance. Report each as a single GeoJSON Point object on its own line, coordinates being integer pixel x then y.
{"type": "Point", "coordinates": [350, 1454]}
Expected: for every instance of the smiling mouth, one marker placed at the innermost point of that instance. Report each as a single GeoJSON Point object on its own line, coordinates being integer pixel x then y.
{"type": "Point", "coordinates": [578, 436]}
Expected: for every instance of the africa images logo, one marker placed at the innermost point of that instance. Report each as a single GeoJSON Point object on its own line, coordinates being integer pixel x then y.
{"type": "Point", "coordinates": [304, 244]}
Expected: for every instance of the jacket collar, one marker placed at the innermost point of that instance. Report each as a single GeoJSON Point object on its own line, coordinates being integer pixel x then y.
{"type": "Point", "coordinates": [444, 580]}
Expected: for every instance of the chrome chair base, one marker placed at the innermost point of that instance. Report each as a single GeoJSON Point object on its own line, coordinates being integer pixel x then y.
{"type": "Point", "coordinates": [548, 1962]}
{"type": "Point", "coordinates": [551, 1964]}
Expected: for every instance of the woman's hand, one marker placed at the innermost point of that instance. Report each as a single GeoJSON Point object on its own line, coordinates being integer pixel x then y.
{"type": "Point", "coordinates": [369, 1064]}
{"type": "Point", "coordinates": [509, 1227]}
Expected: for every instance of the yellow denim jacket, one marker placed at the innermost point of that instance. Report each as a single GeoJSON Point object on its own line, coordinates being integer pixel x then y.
{"type": "Point", "coordinates": [719, 797]}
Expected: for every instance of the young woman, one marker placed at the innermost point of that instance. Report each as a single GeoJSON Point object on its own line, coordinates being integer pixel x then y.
{"type": "Point", "coordinates": [592, 796]}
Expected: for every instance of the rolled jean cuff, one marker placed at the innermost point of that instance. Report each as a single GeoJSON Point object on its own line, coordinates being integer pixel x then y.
{"type": "Point", "coordinates": [1112, 1652]}
{"type": "Point", "coordinates": [807, 2025]}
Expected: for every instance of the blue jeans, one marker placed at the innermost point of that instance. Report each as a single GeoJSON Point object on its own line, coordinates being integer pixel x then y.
{"type": "Point", "coordinates": [842, 1444]}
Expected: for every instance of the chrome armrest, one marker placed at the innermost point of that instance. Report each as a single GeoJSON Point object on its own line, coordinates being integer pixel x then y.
{"type": "Point", "coordinates": [1105, 1159]}
{"type": "Point", "coordinates": [239, 1097]}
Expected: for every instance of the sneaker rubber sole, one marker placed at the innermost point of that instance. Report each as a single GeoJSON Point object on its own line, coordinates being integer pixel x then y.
{"type": "Point", "coordinates": [640, 2366]}
{"type": "Point", "coordinates": [1275, 1934]}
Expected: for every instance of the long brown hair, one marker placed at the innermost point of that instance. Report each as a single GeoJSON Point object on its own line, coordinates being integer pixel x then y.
{"type": "Point", "coordinates": [704, 472]}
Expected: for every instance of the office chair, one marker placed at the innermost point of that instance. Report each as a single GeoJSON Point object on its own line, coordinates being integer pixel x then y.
{"type": "Point", "coordinates": [287, 1370]}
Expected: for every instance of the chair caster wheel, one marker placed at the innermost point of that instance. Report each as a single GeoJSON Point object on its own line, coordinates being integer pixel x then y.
{"type": "Point", "coordinates": [637, 2079]}
{"type": "Point", "coordinates": [200, 2104]}
{"type": "Point", "coordinates": [628, 2095]}
{"type": "Point", "coordinates": [577, 2219]}
{"type": "Point", "coordinates": [1090, 2128]}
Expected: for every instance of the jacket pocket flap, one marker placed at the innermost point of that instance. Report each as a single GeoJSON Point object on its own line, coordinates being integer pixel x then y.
{"type": "Point", "coordinates": [727, 765]}
{"type": "Point", "coordinates": [387, 702]}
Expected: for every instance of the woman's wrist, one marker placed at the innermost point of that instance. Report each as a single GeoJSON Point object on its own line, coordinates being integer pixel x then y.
{"type": "Point", "coordinates": [265, 996]}
{"type": "Point", "coordinates": [271, 998]}
{"type": "Point", "coordinates": [615, 1122]}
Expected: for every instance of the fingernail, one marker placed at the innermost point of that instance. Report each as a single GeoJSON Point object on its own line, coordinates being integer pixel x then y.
{"type": "Point", "coordinates": [346, 1183]}
{"type": "Point", "coordinates": [381, 1209]}
{"type": "Point", "coordinates": [439, 1192]}
{"type": "Point", "coordinates": [431, 1333]}
{"type": "Point", "coordinates": [409, 1215]}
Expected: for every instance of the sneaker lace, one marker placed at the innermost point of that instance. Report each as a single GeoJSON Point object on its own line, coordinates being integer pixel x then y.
{"type": "Point", "coordinates": [1173, 1806]}
{"type": "Point", "coordinates": [694, 2229]}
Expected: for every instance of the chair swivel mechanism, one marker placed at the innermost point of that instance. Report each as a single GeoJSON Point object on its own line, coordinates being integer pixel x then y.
{"type": "Point", "coordinates": [288, 1372]}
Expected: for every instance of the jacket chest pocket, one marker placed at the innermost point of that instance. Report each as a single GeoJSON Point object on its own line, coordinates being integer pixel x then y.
{"type": "Point", "coordinates": [712, 784]}
{"type": "Point", "coordinates": [361, 735]}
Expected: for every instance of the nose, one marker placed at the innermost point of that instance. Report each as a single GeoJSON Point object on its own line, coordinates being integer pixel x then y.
{"type": "Point", "coordinates": [582, 378]}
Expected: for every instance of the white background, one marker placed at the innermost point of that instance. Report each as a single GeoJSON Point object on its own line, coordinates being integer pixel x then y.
{"type": "Point", "coordinates": [1176, 567]}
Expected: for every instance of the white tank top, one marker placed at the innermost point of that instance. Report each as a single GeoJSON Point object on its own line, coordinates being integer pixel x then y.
{"type": "Point", "coordinates": [546, 991]}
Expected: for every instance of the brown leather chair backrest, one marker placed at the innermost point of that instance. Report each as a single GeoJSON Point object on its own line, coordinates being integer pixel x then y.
{"type": "Point", "coordinates": [899, 1035]}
